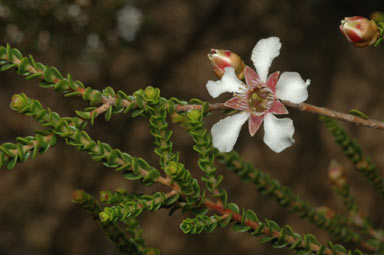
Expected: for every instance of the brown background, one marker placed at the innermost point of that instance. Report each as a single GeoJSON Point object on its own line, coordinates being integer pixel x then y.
{"type": "Point", "coordinates": [36, 213]}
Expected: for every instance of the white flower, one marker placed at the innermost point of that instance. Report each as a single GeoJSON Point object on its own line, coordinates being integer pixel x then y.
{"type": "Point", "coordinates": [258, 100]}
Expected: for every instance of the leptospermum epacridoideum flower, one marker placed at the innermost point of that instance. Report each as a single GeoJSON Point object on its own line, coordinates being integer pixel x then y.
{"type": "Point", "coordinates": [258, 100]}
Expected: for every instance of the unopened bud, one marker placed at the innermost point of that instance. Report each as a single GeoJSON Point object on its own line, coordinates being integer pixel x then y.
{"type": "Point", "coordinates": [360, 31]}
{"type": "Point", "coordinates": [18, 101]}
{"type": "Point", "coordinates": [328, 213]}
{"type": "Point", "coordinates": [221, 59]}
{"type": "Point", "coordinates": [336, 174]}
{"type": "Point", "coordinates": [78, 196]}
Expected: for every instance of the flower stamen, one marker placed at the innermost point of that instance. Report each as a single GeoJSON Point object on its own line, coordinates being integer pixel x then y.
{"type": "Point", "coordinates": [260, 100]}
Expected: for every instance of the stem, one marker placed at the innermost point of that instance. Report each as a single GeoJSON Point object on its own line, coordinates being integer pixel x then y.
{"type": "Point", "coordinates": [336, 115]}
{"type": "Point", "coordinates": [218, 208]}
{"type": "Point", "coordinates": [305, 108]}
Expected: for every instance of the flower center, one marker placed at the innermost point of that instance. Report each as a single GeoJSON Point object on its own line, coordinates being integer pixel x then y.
{"type": "Point", "coordinates": [260, 99]}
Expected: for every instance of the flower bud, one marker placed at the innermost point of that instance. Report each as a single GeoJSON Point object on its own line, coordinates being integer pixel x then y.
{"type": "Point", "coordinates": [336, 173]}
{"type": "Point", "coordinates": [360, 31]}
{"type": "Point", "coordinates": [78, 196]}
{"type": "Point", "coordinates": [104, 216]}
{"type": "Point", "coordinates": [221, 59]}
{"type": "Point", "coordinates": [18, 101]}
{"type": "Point", "coordinates": [328, 213]}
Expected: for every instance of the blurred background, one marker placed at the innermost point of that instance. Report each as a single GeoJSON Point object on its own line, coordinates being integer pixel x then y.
{"type": "Point", "coordinates": [132, 44]}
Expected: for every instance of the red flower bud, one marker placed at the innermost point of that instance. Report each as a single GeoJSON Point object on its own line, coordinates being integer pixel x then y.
{"type": "Point", "coordinates": [360, 31]}
{"type": "Point", "coordinates": [221, 59]}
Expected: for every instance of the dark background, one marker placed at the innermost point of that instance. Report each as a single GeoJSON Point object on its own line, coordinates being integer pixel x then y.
{"type": "Point", "coordinates": [167, 49]}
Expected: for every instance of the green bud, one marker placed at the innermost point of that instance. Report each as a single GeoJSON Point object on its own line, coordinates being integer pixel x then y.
{"type": "Point", "coordinates": [104, 196]}
{"type": "Point", "coordinates": [78, 196]}
{"type": "Point", "coordinates": [151, 93]}
{"type": "Point", "coordinates": [104, 217]}
{"type": "Point", "coordinates": [336, 173]}
{"type": "Point", "coordinates": [194, 115]}
{"type": "Point", "coordinates": [18, 101]}
{"type": "Point", "coordinates": [173, 168]}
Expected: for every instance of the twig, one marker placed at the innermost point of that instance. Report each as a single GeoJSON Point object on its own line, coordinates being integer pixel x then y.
{"type": "Point", "coordinates": [305, 108]}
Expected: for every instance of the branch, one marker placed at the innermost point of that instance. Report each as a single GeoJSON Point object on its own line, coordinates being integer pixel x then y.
{"type": "Point", "coordinates": [305, 108]}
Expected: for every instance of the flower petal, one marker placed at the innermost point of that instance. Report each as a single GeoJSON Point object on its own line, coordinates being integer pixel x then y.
{"type": "Point", "coordinates": [251, 78]}
{"type": "Point", "coordinates": [263, 54]}
{"type": "Point", "coordinates": [278, 108]}
{"type": "Point", "coordinates": [292, 87]}
{"type": "Point", "coordinates": [272, 81]}
{"type": "Point", "coordinates": [254, 123]}
{"type": "Point", "coordinates": [225, 132]}
{"type": "Point", "coordinates": [278, 132]}
{"type": "Point", "coordinates": [228, 83]}
{"type": "Point", "coordinates": [238, 102]}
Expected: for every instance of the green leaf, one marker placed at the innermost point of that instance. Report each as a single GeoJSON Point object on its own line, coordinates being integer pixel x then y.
{"type": "Point", "coordinates": [358, 114]}
{"type": "Point", "coordinates": [44, 84]}
{"type": "Point", "coordinates": [304, 252]}
{"type": "Point", "coordinates": [113, 155]}
{"type": "Point", "coordinates": [210, 227]}
{"type": "Point", "coordinates": [83, 115]}
{"type": "Point", "coordinates": [151, 176]}
{"type": "Point", "coordinates": [279, 245]}
{"type": "Point", "coordinates": [131, 176]}
{"type": "Point", "coordinates": [7, 147]}
{"type": "Point", "coordinates": [7, 66]}
{"type": "Point", "coordinates": [273, 226]}
{"type": "Point", "coordinates": [62, 85]}
{"type": "Point", "coordinates": [108, 114]}
{"type": "Point", "coordinates": [251, 215]}
{"type": "Point", "coordinates": [172, 199]}
{"type": "Point", "coordinates": [137, 112]}
{"type": "Point", "coordinates": [33, 76]}
{"type": "Point", "coordinates": [96, 97]}
{"type": "Point", "coordinates": [225, 222]}
{"type": "Point", "coordinates": [321, 250]}
{"type": "Point", "coordinates": [233, 207]}
{"type": "Point", "coordinates": [11, 164]}
{"type": "Point", "coordinates": [25, 140]}
{"type": "Point", "coordinates": [49, 75]}
{"type": "Point", "coordinates": [23, 65]}
{"type": "Point", "coordinates": [240, 228]}
{"type": "Point", "coordinates": [15, 52]}
{"type": "Point", "coordinates": [267, 239]}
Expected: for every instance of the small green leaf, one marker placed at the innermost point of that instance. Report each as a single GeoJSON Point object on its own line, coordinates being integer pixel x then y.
{"type": "Point", "coordinates": [131, 176]}
{"type": "Point", "coordinates": [251, 215]}
{"type": "Point", "coordinates": [240, 228]}
{"type": "Point", "coordinates": [96, 98]}
{"type": "Point", "coordinates": [226, 221]}
{"type": "Point", "coordinates": [233, 207]}
{"type": "Point", "coordinates": [358, 114]}
{"type": "Point", "coordinates": [267, 239]}
{"type": "Point", "coordinates": [23, 65]}
{"type": "Point", "coordinates": [49, 75]}
{"type": "Point", "coordinates": [11, 164]}
{"type": "Point", "coordinates": [137, 112]}
{"type": "Point", "coordinates": [15, 52]}
{"type": "Point", "coordinates": [108, 114]}
{"type": "Point", "coordinates": [83, 115]}
{"type": "Point", "coordinates": [7, 66]}
{"type": "Point", "coordinates": [62, 85]}
{"type": "Point", "coordinates": [172, 199]}
{"type": "Point", "coordinates": [33, 76]}
{"type": "Point", "coordinates": [44, 84]}
{"type": "Point", "coordinates": [151, 176]}
{"type": "Point", "coordinates": [7, 149]}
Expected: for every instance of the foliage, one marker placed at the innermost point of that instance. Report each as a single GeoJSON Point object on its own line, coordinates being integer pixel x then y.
{"type": "Point", "coordinates": [204, 200]}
